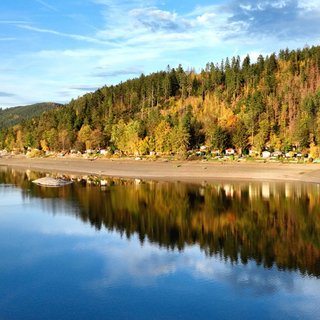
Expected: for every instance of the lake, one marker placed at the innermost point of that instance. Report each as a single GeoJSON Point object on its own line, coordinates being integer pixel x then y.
{"type": "Point", "coordinates": [131, 249]}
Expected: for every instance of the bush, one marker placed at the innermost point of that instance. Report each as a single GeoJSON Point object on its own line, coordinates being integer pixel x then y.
{"type": "Point", "coordinates": [34, 153]}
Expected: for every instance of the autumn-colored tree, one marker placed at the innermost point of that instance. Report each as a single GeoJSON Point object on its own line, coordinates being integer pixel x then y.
{"type": "Point", "coordinates": [118, 137]}
{"type": "Point", "coordinates": [162, 137]}
{"type": "Point", "coordinates": [132, 137]}
{"type": "Point", "coordinates": [64, 139]}
{"type": "Point", "coordinates": [96, 138]}
{"type": "Point", "coordinates": [179, 140]}
{"type": "Point", "coordinates": [84, 136]}
{"type": "Point", "coordinates": [52, 139]}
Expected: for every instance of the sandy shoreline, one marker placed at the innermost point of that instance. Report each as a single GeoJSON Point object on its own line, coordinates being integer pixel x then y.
{"type": "Point", "coordinates": [172, 170]}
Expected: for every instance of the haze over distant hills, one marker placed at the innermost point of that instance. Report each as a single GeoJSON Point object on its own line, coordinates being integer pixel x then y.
{"type": "Point", "coordinates": [12, 116]}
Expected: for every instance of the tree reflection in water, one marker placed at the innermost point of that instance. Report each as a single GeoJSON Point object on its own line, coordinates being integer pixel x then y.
{"type": "Point", "coordinates": [272, 223]}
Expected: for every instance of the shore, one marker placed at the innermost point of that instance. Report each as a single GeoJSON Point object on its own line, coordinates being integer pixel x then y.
{"type": "Point", "coordinates": [171, 170]}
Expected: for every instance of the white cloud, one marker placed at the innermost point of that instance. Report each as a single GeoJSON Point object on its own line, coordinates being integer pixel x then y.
{"type": "Point", "coordinates": [208, 9]}
{"type": "Point", "coordinates": [280, 4]}
{"type": "Point", "coordinates": [311, 6]}
{"type": "Point", "coordinates": [143, 266]}
{"type": "Point", "coordinates": [206, 17]}
{"type": "Point", "coordinates": [281, 20]}
{"type": "Point", "coordinates": [159, 20]}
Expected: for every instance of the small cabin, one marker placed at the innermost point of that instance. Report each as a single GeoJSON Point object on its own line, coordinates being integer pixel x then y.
{"type": "Point", "coordinates": [103, 152]}
{"type": "Point", "coordinates": [277, 154]}
{"type": "Point", "coordinates": [215, 152]}
{"type": "Point", "coordinates": [290, 154]}
{"type": "Point", "coordinates": [266, 154]}
{"type": "Point", "coordinates": [230, 151]}
{"type": "Point", "coordinates": [253, 152]}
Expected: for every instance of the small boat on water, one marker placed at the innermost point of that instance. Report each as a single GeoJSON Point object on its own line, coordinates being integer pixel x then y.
{"type": "Point", "coordinates": [51, 182]}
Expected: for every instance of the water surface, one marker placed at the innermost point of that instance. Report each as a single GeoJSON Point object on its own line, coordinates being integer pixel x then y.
{"type": "Point", "coordinates": [157, 250]}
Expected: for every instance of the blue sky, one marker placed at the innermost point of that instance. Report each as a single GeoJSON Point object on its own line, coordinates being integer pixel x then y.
{"type": "Point", "coordinates": [56, 50]}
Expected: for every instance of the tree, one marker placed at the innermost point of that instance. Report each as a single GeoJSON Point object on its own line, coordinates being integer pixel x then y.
{"type": "Point", "coordinates": [96, 138]}
{"type": "Point", "coordinates": [118, 135]}
{"type": "Point", "coordinates": [179, 140]}
{"type": "Point", "coordinates": [220, 138]}
{"type": "Point", "coordinates": [254, 107]}
{"type": "Point", "coordinates": [64, 139]}
{"type": "Point", "coordinates": [9, 140]}
{"type": "Point", "coordinates": [19, 137]}
{"type": "Point", "coordinates": [145, 146]}
{"type": "Point", "coordinates": [302, 133]}
{"type": "Point", "coordinates": [126, 136]}
{"type": "Point", "coordinates": [51, 137]}
{"type": "Point", "coordinates": [132, 137]}
{"type": "Point", "coordinates": [30, 140]}
{"type": "Point", "coordinates": [84, 135]}
{"type": "Point", "coordinates": [162, 137]}
{"type": "Point", "coordinates": [44, 145]}
{"type": "Point", "coordinates": [240, 137]}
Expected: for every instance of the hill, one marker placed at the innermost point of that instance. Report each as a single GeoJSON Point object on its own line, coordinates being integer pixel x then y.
{"type": "Point", "coordinates": [273, 103]}
{"type": "Point", "coordinates": [12, 116]}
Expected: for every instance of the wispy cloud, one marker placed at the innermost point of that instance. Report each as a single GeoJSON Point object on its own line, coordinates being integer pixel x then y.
{"type": "Point", "coordinates": [7, 94]}
{"type": "Point", "coordinates": [84, 87]}
{"type": "Point", "coordinates": [47, 5]}
{"type": "Point", "coordinates": [116, 73]}
{"type": "Point", "coordinates": [8, 39]}
{"type": "Point", "coordinates": [66, 35]}
{"type": "Point", "coordinates": [13, 21]}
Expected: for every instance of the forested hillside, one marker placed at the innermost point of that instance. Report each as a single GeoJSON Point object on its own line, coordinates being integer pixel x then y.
{"type": "Point", "coordinates": [12, 116]}
{"type": "Point", "coordinates": [272, 103]}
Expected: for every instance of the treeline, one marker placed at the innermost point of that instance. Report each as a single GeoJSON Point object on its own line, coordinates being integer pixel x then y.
{"type": "Point", "coordinates": [272, 103]}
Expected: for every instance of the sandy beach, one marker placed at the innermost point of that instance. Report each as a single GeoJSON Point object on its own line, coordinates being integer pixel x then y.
{"type": "Point", "coordinates": [171, 170]}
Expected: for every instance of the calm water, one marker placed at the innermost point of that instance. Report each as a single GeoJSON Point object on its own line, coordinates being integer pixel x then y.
{"type": "Point", "coordinates": [132, 250]}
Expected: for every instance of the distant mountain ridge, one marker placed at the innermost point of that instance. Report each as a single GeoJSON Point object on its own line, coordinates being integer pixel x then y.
{"type": "Point", "coordinates": [12, 116]}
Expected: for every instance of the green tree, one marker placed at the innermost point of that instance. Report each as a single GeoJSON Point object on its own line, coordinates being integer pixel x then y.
{"type": "Point", "coordinates": [118, 137]}
{"type": "Point", "coordinates": [240, 137]}
{"type": "Point", "coordinates": [220, 138]}
{"type": "Point", "coordinates": [302, 136]}
{"type": "Point", "coordinates": [52, 139]}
